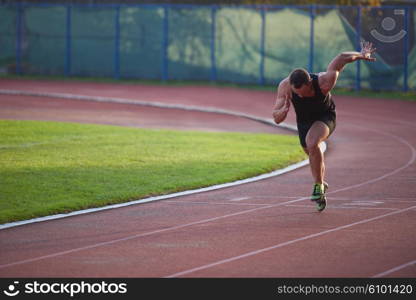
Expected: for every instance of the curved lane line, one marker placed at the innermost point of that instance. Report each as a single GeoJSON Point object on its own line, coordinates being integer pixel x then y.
{"type": "Point", "coordinates": [159, 105]}
{"type": "Point", "coordinates": [307, 237]}
{"type": "Point", "coordinates": [258, 251]}
{"type": "Point", "coordinates": [410, 161]}
{"type": "Point", "coordinates": [398, 268]}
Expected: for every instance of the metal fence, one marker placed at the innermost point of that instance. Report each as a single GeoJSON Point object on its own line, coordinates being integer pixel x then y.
{"type": "Point", "coordinates": [241, 44]}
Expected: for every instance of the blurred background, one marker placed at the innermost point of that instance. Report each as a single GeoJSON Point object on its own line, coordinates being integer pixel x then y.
{"type": "Point", "coordinates": [245, 42]}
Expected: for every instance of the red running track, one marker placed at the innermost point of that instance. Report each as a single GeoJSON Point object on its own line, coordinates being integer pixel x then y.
{"type": "Point", "coordinates": [261, 229]}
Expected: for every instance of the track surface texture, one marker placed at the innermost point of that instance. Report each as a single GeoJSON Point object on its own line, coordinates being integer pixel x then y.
{"type": "Point", "coordinates": [267, 228]}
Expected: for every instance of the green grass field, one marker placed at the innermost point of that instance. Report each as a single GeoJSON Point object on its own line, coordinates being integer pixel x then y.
{"type": "Point", "coordinates": [49, 167]}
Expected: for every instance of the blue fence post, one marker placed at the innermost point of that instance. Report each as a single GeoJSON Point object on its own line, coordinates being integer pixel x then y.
{"type": "Point", "coordinates": [68, 42]}
{"type": "Point", "coordinates": [19, 11]}
{"type": "Point", "coordinates": [262, 42]}
{"type": "Point", "coordinates": [165, 62]}
{"type": "Point", "coordinates": [213, 37]}
{"type": "Point", "coordinates": [358, 48]}
{"type": "Point", "coordinates": [311, 38]}
{"type": "Point", "coordinates": [406, 50]}
{"type": "Point", "coordinates": [117, 44]}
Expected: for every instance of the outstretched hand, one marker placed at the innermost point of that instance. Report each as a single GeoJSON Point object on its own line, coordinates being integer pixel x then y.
{"type": "Point", "coordinates": [366, 51]}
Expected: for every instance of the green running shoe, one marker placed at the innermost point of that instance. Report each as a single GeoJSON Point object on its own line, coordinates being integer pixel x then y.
{"type": "Point", "coordinates": [319, 197]}
{"type": "Point", "coordinates": [317, 192]}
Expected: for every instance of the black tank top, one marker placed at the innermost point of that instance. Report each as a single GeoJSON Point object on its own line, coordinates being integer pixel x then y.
{"type": "Point", "coordinates": [309, 109]}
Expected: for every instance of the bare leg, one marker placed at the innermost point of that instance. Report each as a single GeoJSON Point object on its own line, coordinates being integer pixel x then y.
{"type": "Point", "coordinates": [317, 133]}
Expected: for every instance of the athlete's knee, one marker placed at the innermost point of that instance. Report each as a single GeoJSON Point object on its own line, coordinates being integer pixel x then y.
{"type": "Point", "coordinates": [312, 147]}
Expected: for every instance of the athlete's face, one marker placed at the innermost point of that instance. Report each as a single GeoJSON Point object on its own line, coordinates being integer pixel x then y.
{"type": "Point", "coordinates": [305, 90]}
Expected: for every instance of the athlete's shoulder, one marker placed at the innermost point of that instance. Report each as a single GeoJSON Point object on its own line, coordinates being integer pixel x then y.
{"type": "Point", "coordinates": [324, 80]}
{"type": "Point", "coordinates": [283, 89]}
{"type": "Point", "coordinates": [284, 84]}
{"type": "Point", "coordinates": [321, 75]}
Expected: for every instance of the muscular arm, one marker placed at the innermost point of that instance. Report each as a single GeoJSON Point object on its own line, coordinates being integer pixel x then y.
{"type": "Point", "coordinates": [282, 104]}
{"type": "Point", "coordinates": [328, 79]}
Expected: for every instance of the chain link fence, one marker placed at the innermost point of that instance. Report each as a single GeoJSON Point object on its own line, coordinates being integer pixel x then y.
{"type": "Point", "coordinates": [240, 44]}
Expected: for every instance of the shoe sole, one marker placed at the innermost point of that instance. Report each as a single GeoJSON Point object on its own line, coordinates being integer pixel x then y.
{"type": "Point", "coordinates": [321, 205]}
{"type": "Point", "coordinates": [321, 201]}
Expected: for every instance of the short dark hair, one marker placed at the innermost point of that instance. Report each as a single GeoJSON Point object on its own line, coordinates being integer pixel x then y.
{"type": "Point", "coordinates": [299, 77]}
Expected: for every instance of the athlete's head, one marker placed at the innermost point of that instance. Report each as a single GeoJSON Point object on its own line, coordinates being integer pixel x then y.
{"type": "Point", "coordinates": [300, 81]}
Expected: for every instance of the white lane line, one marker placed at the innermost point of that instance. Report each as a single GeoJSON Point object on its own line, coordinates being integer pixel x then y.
{"type": "Point", "coordinates": [366, 117]}
{"type": "Point", "coordinates": [216, 203]}
{"type": "Point", "coordinates": [161, 105]}
{"type": "Point", "coordinates": [350, 199]}
{"type": "Point", "coordinates": [382, 274]}
{"type": "Point", "coordinates": [146, 103]}
{"type": "Point", "coordinates": [240, 199]}
{"type": "Point", "coordinates": [411, 161]}
{"type": "Point", "coordinates": [267, 204]}
{"type": "Point", "coordinates": [345, 207]}
{"type": "Point", "coordinates": [401, 140]}
{"type": "Point", "coordinates": [275, 197]}
{"type": "Point", "coordinates": [142, 235]}
{"type": "Point", "coordinates": [158, 198]}
{"type": "Point", "coordinates": [307, 237]}
{"type": "Point", "coordinates": [363, 203]}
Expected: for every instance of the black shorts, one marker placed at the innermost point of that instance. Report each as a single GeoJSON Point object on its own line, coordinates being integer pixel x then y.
{"type": "Point", "coordinates": [303, 127]}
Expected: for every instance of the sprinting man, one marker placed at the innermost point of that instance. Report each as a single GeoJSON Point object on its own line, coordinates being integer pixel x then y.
{"type": "Point", "coordinates": [315, 111]}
